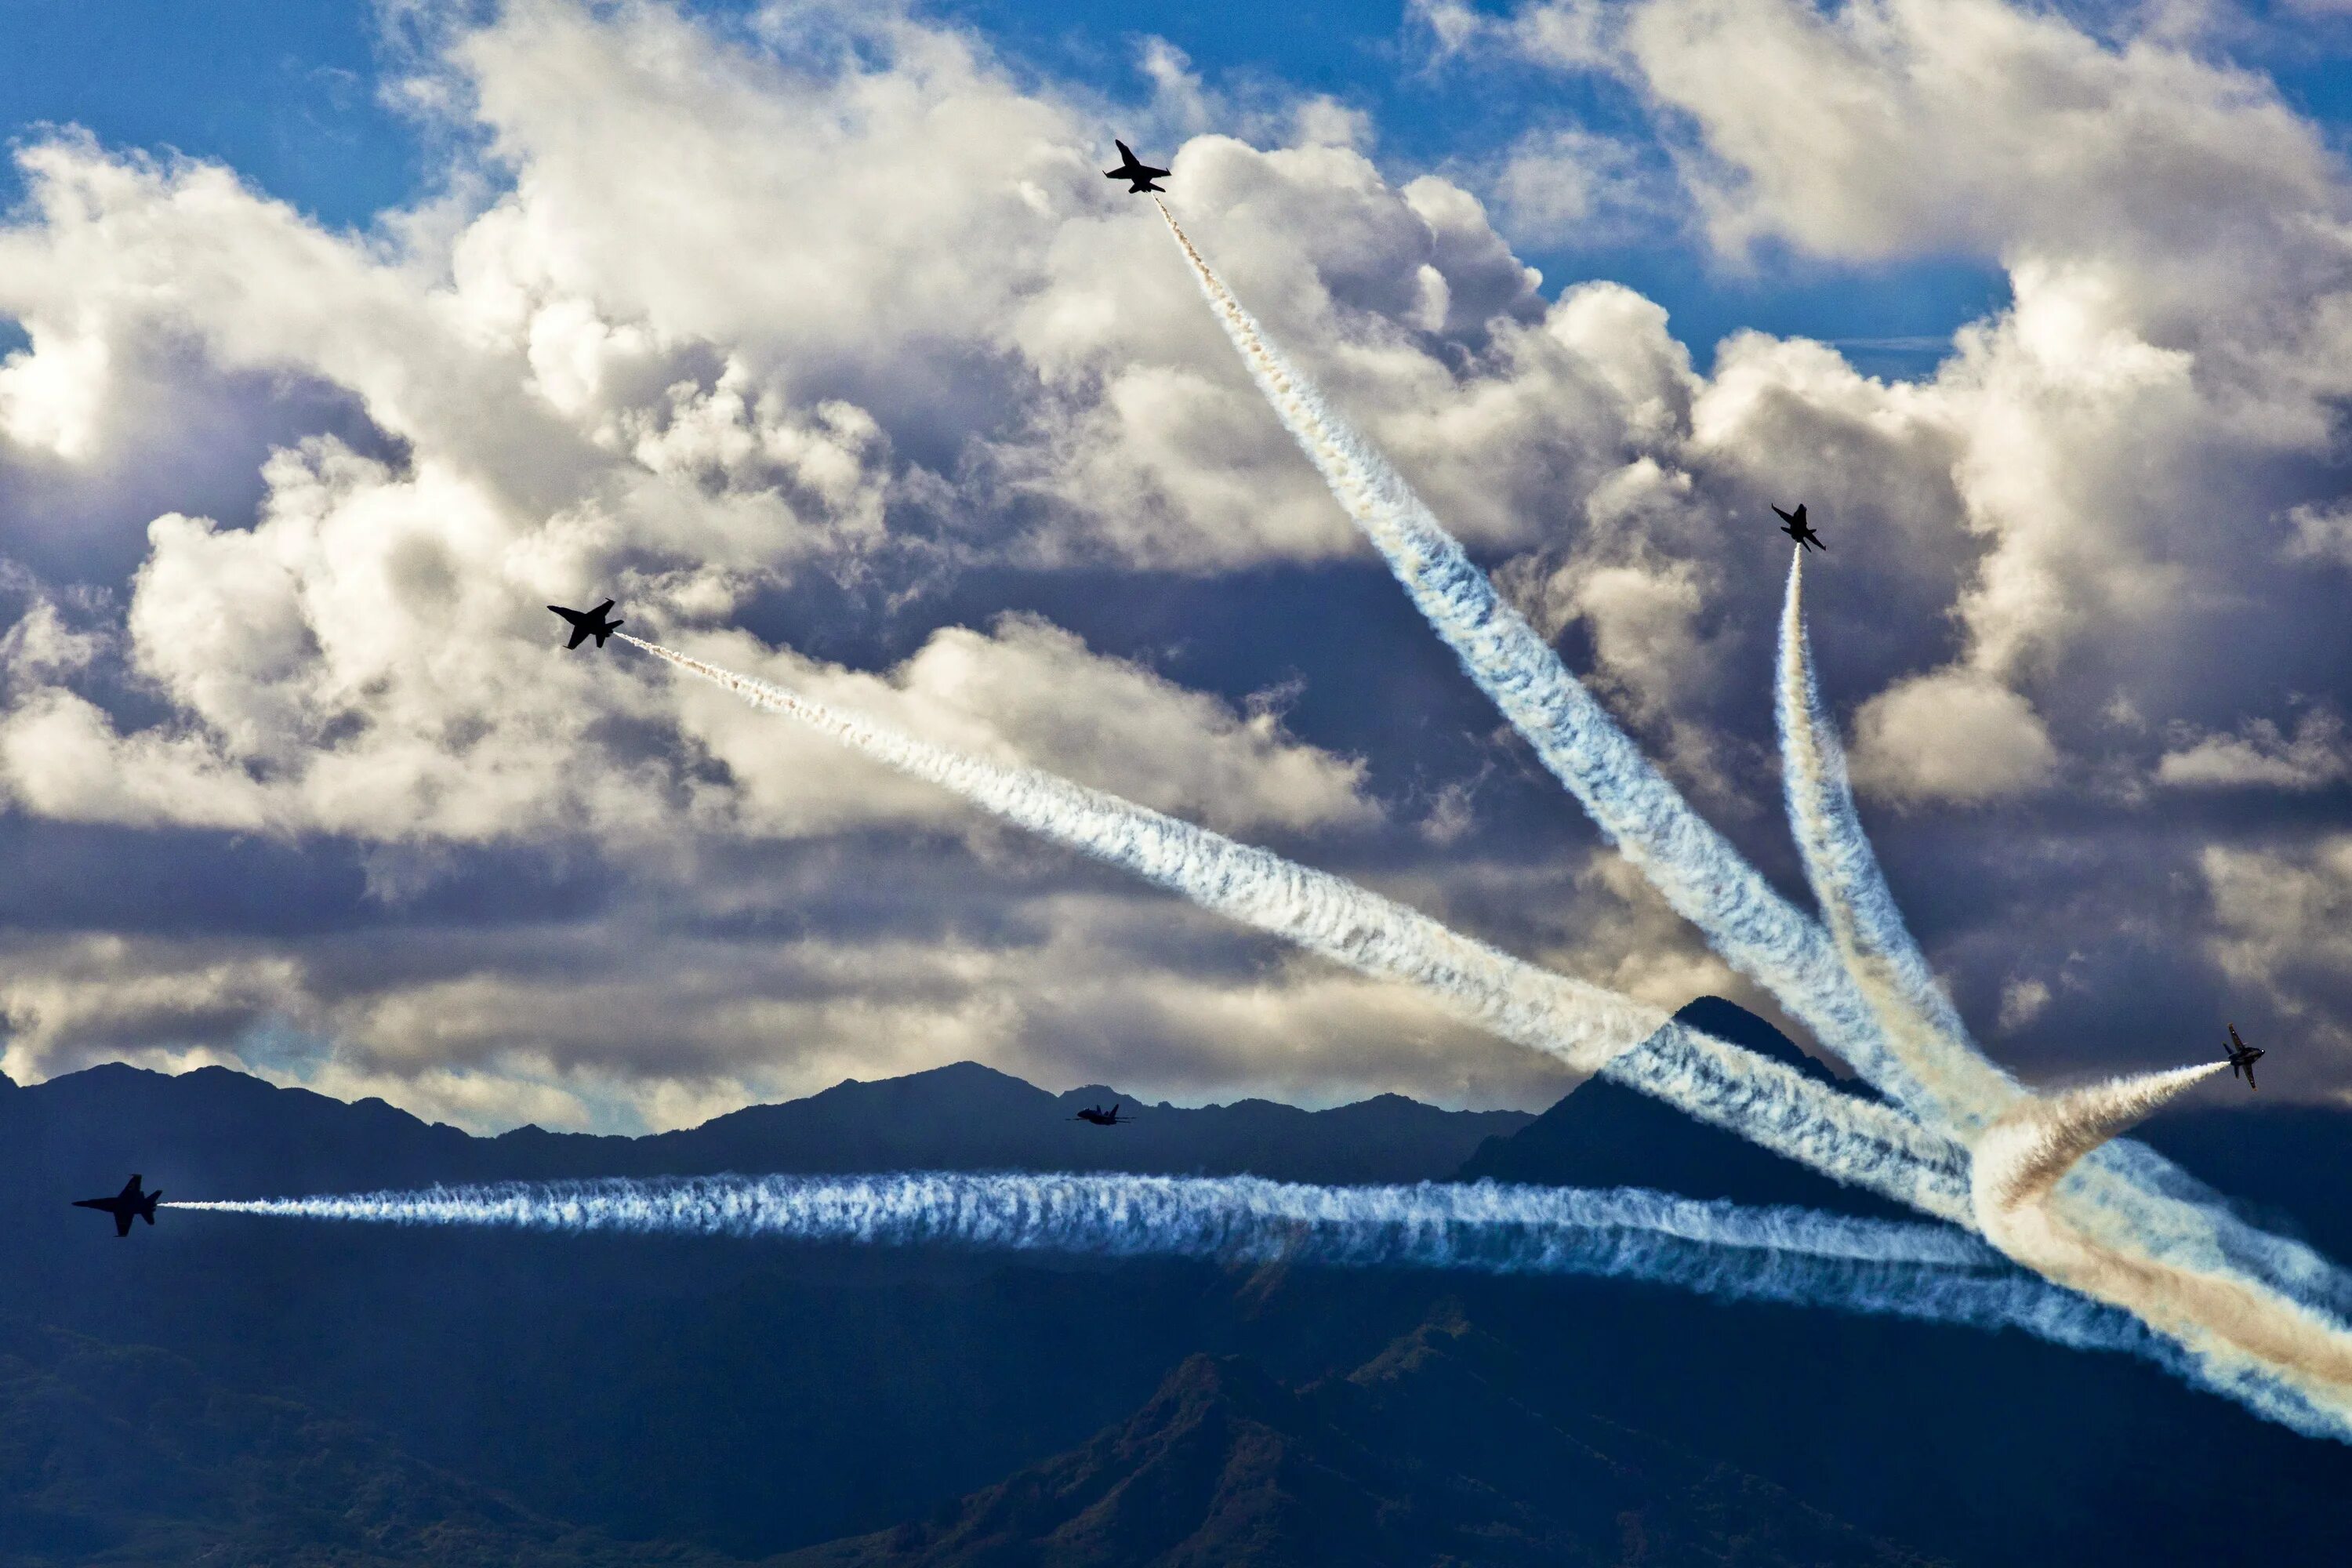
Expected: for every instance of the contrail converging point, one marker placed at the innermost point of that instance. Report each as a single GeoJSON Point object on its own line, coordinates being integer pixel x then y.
{"type": "Point", "coordinates": [1861, 984]}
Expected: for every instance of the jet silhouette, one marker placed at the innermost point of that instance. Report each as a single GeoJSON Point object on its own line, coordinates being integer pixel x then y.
{"type": "Point", "coordinates": [588, 623]}
{"type": "Point", "coordinates": [1101, 1118]}
{"type": "Point", "coordinates": [1138, 174]}
{"type": "Point", "coordinates": [1799, 529]}
{"type": "Point", "coordinates": [130, 1201]}
{"type": "Point", "coordinates": [2241, 1054]}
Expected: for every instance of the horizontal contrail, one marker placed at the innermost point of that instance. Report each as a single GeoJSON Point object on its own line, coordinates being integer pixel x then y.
{"type": "Point", "coordinates": [1595, 1030]}
{"type": "Point", "coordinates": [2281, 1357]}
{"type": "Point", "coordinates": [1693, 866]}
{"type": "Point", "coordinates": [1787, 1255]}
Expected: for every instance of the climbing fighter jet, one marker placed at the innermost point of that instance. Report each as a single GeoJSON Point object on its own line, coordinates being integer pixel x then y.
{"type": "Point", "coordinates": [1801, 530]}
{"type": "Point", "coordinates": [1138, 174]}
{"type": "Point", "coordinates": [1101, 1118]}
{"type": "Point", "coordinates": [2242, 1056]}
{"type": "Point", "coordinates": [588, 623]}
{"type": "Point", "coordinates": [130, 1201]}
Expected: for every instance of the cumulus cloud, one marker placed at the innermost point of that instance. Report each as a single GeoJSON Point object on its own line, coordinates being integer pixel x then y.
{"type": "Point", "coordinates": [1950, 736]}
{"type": "Point", "coordinates": [2261, 756]}
{"type": "Point", "coordinates": [2280, 931]}
{"type": "Point", "coordinates": [674, 336]}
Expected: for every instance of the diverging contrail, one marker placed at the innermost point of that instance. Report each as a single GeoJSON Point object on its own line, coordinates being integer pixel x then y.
{"type": "Point", "coordinates": [1795, 1256]}
{"type": "Point", "coordinates": [1696, 870]}
{"type": "Point", "coordinates": [2124, 1225]}
{"type": "Point", "coordinates": [1958, 1087]}
{"type": "Point", "coordinates": [2287, 1360]}
{"type": "Point", "coordinates": [1853, 1140]}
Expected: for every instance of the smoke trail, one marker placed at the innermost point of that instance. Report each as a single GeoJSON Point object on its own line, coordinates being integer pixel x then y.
{"type": "Point", "coordinates": [1793, 1255]}
{"type": "Point", "coordinates": [2283, 1357]}
{"type": "Point", "coordinates": [1957, 1086]}
{"type": "Point", "coordinates": [1851, 1140]}
{"type": "Point", "coordinates": [1690, 863]}
{"type": "Point", "coordinates": [2128, 1211]}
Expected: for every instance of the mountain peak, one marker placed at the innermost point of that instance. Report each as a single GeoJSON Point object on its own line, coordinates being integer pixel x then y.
{"type": "Point", "coordinates": [1603, 1134]}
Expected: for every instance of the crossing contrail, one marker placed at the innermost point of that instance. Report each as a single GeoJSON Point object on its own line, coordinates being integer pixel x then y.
{"type": "Point", "coordinates": [1795, 1256]}
{"type": "Point", "coordinates": [1693, 866]}
{"type": "Point", "coordinates": [1595, 1030]}
{"type": "Point", "coordinates": [1861, 985]}
{"type": "Point", "coordinates": [2285, 1358]}
{"type": "Point", "coordinates": [2245, 1302]}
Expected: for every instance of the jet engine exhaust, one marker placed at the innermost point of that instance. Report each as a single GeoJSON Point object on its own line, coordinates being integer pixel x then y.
{"type": "Point", "coordinates": [1792, 1255]}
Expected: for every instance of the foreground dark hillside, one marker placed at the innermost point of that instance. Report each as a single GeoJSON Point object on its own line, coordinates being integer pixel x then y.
{"type": "Point", "coordinates": [133, 1455]}
{"type": "Point", "coordinates": [1424, 1454]}
{"type": "Point", "coordinates": [746, 1399]}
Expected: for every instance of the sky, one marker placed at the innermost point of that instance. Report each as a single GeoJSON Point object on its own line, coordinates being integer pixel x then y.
{"type": "Point", "coordinates": [333, 347]}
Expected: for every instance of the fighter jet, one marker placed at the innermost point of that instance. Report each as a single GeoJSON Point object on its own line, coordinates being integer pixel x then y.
{"type": "Point", "coordinates": [1138, 174]}
{"type": "Point", "coordinates": [130, 1201]}
{"type": "Point", "coordinates": [2242, 1056]}
{"type": "Point", "coordinates": [1101, 1118]}
{"type": "Point", "coordinates": [588, 623]}
{"type": "Point", "coordinates": [1799, 529]}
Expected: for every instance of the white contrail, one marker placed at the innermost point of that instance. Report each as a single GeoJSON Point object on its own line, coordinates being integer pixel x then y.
{"type": "Point", "coordinates": [1795, 1256]}
{"type": "Point", "coordinates": [1696, 870]}
{"type": "Point", "coordinates": [1592, 1029]}
{"type": "Point", "coordinates": [2285, 1358]}
{"type": "Point", "coordinates": [2120, 1228]}
{"type": "Point", "coordinates": [1954, 1084]}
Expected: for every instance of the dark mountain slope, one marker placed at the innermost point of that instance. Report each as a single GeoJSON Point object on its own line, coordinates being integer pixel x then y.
{"type": "Point", "coordinates": [1606, 1135]}
{"type": "Point", "coordinates": [1421, 1456]}
{"type": "Point", "coordinates": [117, 1455]}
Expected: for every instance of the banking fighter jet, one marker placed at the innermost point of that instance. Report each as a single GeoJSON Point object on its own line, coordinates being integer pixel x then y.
{"type": "Point", "coordinates": [586, 624]}
{"type": "Point", "coordinates": [1799, 529]}
{"type": "Point", "coordinates": [1138, 174]}
{"type": "Point", "coordinates": [2242, 1056]}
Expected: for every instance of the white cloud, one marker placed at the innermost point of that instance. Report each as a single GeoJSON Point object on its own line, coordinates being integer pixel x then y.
{"type": "Point", "coordinates": [1950, 736]}
{"type": "Point", "coordinates": [682, 339]}
{"type": "Point", "coordinates": [2260, 755]}
{"type": "Point", "coordinates": [2021, 1001]}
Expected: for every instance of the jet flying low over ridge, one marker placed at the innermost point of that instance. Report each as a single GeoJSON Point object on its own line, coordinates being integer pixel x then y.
{"type": "Point", "coordinates": [124, 1204]}
{"type": "Point", "coordinates": [1101, 1118]}
{"type": "Point", "coordinates": [1139, 175]}
{"type": "Point", "coordinates": [588, 623]}
{"type": "Point", "coordinates": [1799, 529]}
{"type": "Point", "coordinates": [2242, 1056]}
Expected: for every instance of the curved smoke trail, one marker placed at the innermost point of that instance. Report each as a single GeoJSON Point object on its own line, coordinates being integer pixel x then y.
{"type": "Point", "coordinates": [1848, 1139]}
{"type": "Point", "coordinates": [1959, 1087]}
{"type": "Point", "coordinates": [2119, 1229]}
{"type": "Point", "coordinates": [2283, 1358]}
{"type": "Point", "coordinates": [1692, 864]}
{"type": "Point", "coordinates": [1787, 1255]}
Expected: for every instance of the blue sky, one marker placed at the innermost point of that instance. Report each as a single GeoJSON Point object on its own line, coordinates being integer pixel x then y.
{"type": "Point", "coordinates": [681, 306]}
{"type": "Point", "coordinates": [290, 96]}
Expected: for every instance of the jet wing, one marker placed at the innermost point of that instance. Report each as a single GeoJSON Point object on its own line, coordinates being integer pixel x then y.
{"type": "Point", "coordinates": [579, 636]}
{"type": "Point", "coordinates": [131, 1187]}
{"type": "Point", "coordinates": [2250, 1077]}
{"type": "Point", "coordinates": [122, 1222]}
